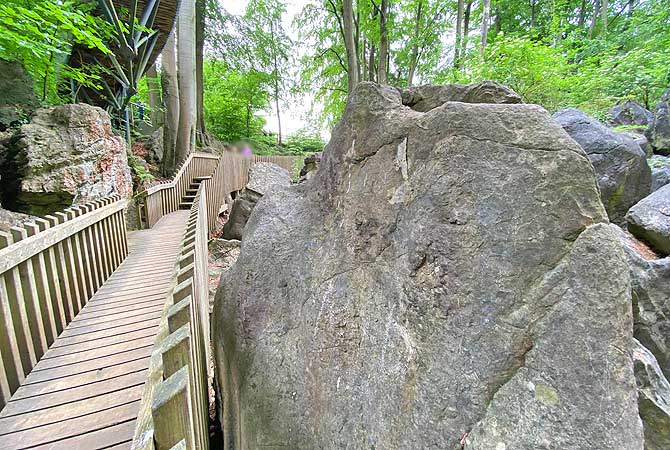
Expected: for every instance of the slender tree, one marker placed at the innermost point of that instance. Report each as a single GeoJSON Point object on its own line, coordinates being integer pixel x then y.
{"type": "Point", "coordinates": [155, 100]}
{"type": "Point", "coordinates": [594, 17]}
{"type": "Point", "coordinates": [187, 79]}
{"type": "Point", "coordinates": [414, 56]}
{"type": "Point", "coordinates": [603, 18]}
{"type": "Point", "coordinates": [171, 98]}
{"type": "Point", "coordinates": [485, 25]}
{"type": "Point", "coordinates": [382, 76]}
{"type": "Point", "coordinates": [457, 44]}
{"type": "Point", "coordinates": [199, 55]}
{"type": "Point", "coordinates": [350, 45]}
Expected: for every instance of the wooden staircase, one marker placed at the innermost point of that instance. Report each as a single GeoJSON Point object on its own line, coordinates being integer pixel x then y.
{"type": "Point", "coordinates": [187, 200]}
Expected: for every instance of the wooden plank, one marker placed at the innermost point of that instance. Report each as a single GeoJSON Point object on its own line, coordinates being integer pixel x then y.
{"type": "Point", "coordinates": [90, 380]}
{"type": "Point", "coordinates": [36, 420]}
{"type": "Point", "coordinates": [53, 275]}
{"type": "Point", "coordinates": [19, 252]}
{"type": "Point", "coordinates": [101, 363]}
{"type": "Point", "coordinates": [42, 288]}
{"type": "Point", "coordinates": [94, 336]}
{"type": "Point", "coordinates": [44, 409]}
{"type": "Point", "coordinates": [76, 294]}
{"type": "Point", "coordinates": [170, 411]}
{"type": "Point", "coordinates": [105, 327]}
{"type": "Point", "coordinates": [100, 343]}
{"type": "Point", "coordinates": [30, 297]}
{"type": "Point", "coordinates": [111, 435]}
{"type": "Point", "coordinates": [63, 275]}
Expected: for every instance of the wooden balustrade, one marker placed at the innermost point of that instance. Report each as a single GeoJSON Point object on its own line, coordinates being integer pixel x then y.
{"type": "Point", "coordinates": [288, 162]}
{"type": "Point", "coordinates": [230, 175]}
{"type": "Point", "coordinates": [175, 404]}
{"type": "Point", "coordinates": [164, 198]}
{"type": "Point", "coordinates": [49, 269]}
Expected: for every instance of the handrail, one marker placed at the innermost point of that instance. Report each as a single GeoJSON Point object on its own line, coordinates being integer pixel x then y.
{"type": "Point", "coordinates": [175, 403]}
{"type": "Point", "coordinates": [164, 198]}
{"type": "Point", "coordinates": [231, 175]}
{"type": "Point", "coordinates": [49, 269]}
{"type": "Point", "coordinates": [288, 162]}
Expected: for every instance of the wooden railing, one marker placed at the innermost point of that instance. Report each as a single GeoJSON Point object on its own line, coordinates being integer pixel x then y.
{"type": "Point", "coordinates": [49, 269]}
{"type": "Point", "coordinates": [290, 163]}
{"type": "Point", "coordinates": [230, 175]}
{"type": "Point", "coordinates": [175, 404]}
{"type": "Point", "coordinates": [164, 198]}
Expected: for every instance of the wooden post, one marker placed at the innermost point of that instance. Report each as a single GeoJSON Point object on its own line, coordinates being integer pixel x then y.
{"type": "Point", "coordinates": [171, 412]}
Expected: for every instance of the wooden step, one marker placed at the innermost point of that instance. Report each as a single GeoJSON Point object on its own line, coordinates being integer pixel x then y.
{"type": "Point", "coordinates": [185, 205]}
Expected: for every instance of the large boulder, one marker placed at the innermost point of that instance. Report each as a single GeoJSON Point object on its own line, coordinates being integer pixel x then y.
{"type": "Point", "coordinates": [18, 99]}
{"type": "Point", "coordinates": [66, 154]}
{"type": "Point", "coordinates": [630, 113]}
{"type": "Point", "coordinates": [649, 220]}
{"type": "Point", "coordinates": [650, 277]}
{"type": "Point", "coordinates": [653, 399]}
{"type": "Point", "coordinates": [624, 177]}
{"type": "Point", "coordinates": [425, 98]}
{"type": "Point", "coordinates": [660, 171]}
{"type": "Point", "coordinates": [658, 132]}
{"type": "Point", "coordinates": [446, 279]}
{"type": "Point", "coordinates": [264, 178]}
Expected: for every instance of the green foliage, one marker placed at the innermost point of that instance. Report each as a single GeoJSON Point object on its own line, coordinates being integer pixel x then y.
{"type": "Point", "coordinates": [233, 100]}
{"type": "Point", "coordinates": [40, 35]}
{"type": "Point", "coordinates": [138, 165]}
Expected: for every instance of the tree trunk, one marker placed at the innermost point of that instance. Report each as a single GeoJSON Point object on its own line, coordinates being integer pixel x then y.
{"type": "Point", "coordinates": [199, 61]}
{"type": "Point", "coordinates": [457, 45]}
{"type": "Point", "coordinates": [466, 29]}
{"type": "Point", "coordinates": [154, 94]}
{"type": "Point", "coordinates": [603, 18]}
{"type": "Point", "coordinates": [187, 79]}
{"type": "Point", "coordinates": [382, 76]}
{"type": "Point", "coordinates": [631, 6]}
{"type": "Point", "coordinates": [371, 63]}
{"type": "Point", "coordinates": [485, 25]}
{"type": "Point", "coordinates": [594, 19]}
{"type": "Point", "coordinates": [364, 60]}
{"type": "Point", "coordinates": [582, 15]}
{"type": "Point", "coordinates": [533, 13]}
{"type": "Point", "coordinates": [414, 59]}
{"type": "Point", "coordinates": [171, 99]}
{"type": "Point", "coordinates": [275, 65]}
{"type": "Point", "coordinates": [350, 45]}
{"type": "Point", "coordinates": [498, 21]}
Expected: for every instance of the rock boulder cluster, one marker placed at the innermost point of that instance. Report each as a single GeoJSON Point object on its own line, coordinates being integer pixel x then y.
{"type": "Point", "coordinates": [448, 279]}
{"type": "Point", "coordinates": [66, 154]}
{"type": "Point", "coordinates": [264, 178]}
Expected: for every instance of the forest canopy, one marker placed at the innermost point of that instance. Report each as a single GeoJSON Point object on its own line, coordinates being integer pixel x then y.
{"type": "Point", "coordinates": [253, 67]}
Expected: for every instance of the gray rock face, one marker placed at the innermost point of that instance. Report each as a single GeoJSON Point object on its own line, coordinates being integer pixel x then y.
{"type": "Point", "coordinates": [654, 399]}
{"type": "Point", "coordinates": [649, 220]}
{"type": "Point", "coordinates": [10, 219]}
{"type": "Point", "coordinates": [650, 277]}
{"type": "Point", "coordinates": [624, 177]}
{"type": "Point", "coordinates": [630, 113]}
{"type": "Point", "coordinates": [17, 94]}
{"type": "Point", "coordinates": [425, 98]}
{"type": "Point", "coordinates": [445, 279]}
{"type": "Point", "coordinates": [310, 166]}
{"type": "Point", "coordinates": [658, 132]}
{"type": "Point", "coordinates": [660, 171]}
{"type": "Point", "coordinates": [263, 178]}
{"type": "Point", "coordinates": [65, 154]}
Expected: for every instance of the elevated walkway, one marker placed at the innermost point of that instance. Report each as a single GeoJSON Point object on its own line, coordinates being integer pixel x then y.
{"type": "Point", "coordinates": [85, 391]}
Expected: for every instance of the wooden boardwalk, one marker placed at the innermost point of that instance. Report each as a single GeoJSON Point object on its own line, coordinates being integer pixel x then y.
{"type": "Point", "coordinates": [85, 391]}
